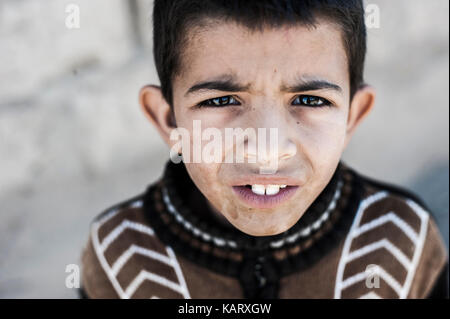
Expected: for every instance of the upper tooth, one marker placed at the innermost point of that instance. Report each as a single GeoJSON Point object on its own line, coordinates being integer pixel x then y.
{"type": "Point", "coordinates": [258, 189]}
{"type": "Point", "coordinates": [267, 190]}
{"type": "Point", "coordinates": [283, 186]}
{"type": "Point", "coordinates": [272, 189]}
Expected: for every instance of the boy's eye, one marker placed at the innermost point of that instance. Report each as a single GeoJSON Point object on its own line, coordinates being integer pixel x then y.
{"type": "Point", "coordinates": [311, 101]}
{"type": "Point", "coordinates": [219, 102]}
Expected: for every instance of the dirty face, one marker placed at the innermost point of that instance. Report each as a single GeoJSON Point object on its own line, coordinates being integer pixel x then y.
{"type": "Point", "coordinates": [292, 79]}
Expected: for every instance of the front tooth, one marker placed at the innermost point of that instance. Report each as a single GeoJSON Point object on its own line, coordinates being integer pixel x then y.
{"type": "Point", "coordinates": [258, 189]}
{"type": "Point", "coordinates": [272, 189]}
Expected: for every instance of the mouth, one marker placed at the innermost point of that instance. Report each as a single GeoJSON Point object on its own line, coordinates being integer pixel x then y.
{"type": "Point", "coordinates": [264, 196]}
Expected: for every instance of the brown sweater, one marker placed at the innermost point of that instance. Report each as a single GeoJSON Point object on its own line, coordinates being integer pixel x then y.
{"type": "Point", "coordinates": [359, 239]}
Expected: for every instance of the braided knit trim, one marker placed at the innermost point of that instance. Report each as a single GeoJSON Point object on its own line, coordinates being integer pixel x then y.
{"type": "Point", "coordinates": [311, 221]}
{"type": "Point", "coordinates": [221, 242]}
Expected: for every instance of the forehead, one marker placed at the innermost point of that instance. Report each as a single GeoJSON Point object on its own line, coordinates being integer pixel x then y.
{"type": "Point", "coordinates": [280, 53]}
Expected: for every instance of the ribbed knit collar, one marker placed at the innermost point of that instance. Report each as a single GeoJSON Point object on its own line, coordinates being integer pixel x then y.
{"type": "Point", "coordinates": [180, 194]}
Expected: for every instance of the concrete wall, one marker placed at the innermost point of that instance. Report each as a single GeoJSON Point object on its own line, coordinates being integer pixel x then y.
{"type": "Point", "coordinates": [73, 140]}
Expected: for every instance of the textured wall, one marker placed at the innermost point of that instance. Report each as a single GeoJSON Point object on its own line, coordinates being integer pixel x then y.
{"type": "Point", "coordinates": [73, 140]}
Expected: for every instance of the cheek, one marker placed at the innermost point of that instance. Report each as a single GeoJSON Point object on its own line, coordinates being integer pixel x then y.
{"type": "Point", "coordinates": [201, 174]}
{"type": "Point", "coordinates": [205, 178]}
{"type": "Point", "coordinates": [322, 134]}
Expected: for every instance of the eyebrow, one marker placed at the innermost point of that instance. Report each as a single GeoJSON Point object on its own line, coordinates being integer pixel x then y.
{"type": "Point", "coordinates": [228, 83]}
{"type": "Point", "coordinates": [311, 85]}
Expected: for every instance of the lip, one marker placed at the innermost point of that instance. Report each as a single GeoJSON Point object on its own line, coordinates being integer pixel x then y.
{"type": "Point", "coordinates": [246, 195]}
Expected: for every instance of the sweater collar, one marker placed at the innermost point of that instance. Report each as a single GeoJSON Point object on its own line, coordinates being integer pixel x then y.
{"type": "Point", "coordinates": [189, 209]}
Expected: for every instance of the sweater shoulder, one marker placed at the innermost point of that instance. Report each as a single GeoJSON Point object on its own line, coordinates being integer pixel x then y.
{"type": "Point", "coordinates": [395, 232]}
{"type": "Point", "coordinates": [123, 258]}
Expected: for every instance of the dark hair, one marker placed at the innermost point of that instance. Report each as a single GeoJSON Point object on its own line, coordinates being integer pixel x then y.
{"type": "Point", "coordinates": [173, 19]}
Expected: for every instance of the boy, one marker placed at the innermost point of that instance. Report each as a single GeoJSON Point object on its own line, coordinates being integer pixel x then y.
{"type": "Point", "coordinates": [292, 220]}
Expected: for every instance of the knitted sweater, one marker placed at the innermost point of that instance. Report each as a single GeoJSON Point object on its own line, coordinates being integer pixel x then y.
{"type": "Point", "coordinates": [359, 239]}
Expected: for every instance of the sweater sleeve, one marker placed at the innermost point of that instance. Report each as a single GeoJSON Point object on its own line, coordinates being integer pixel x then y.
{"type": "Point", "coordinates": [440, 288]}
{"type": "Point", "coordinates": [431, 278]}
{"type": "Point", "coordinates": [94, 280]}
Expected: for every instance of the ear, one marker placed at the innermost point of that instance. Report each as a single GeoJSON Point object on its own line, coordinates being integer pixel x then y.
{"type": "Point", "coordinates": [361, 105]}
{"type": "Point", "coordinates": [157, 110]}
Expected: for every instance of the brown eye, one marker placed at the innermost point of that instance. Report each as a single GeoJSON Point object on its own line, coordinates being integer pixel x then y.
{"type": "Point", "coordinates": [311, 101]}
{"type": "Point", "coordinates": [219, 102]}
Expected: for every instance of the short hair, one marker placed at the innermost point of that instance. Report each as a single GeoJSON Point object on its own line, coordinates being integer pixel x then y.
{"type": "Point", "coordinates": [173, 19]}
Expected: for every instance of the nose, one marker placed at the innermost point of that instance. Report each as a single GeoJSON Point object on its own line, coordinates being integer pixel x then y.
{"type": "Point", "coordinates": [273, 146]}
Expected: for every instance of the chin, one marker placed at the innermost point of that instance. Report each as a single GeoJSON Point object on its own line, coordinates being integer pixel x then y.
{"type": "Point", "coordinates": [262, 232]}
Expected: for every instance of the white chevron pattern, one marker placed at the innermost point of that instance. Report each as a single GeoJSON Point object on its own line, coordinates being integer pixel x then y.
{"type": "Point", "coordinates": [145, 275]}
{"type": "Point", "coordinates": [112, 271]}
{"type": "Point", "coordinates": [383, 243]}
{"type": "Point", "coordinates": [357, 229]}
{"type": "Point", "coordinates": [389, 217]}
{"type": "Point", "coordinates": [133, 249]}
{"type": "Point", "coordinates": [391, 281]}
{"type": "Point", "coordinates": [126, 224]}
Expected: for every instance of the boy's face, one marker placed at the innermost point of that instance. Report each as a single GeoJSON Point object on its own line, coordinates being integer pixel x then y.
{"type": "Point", "coordinates": [278, 77]}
